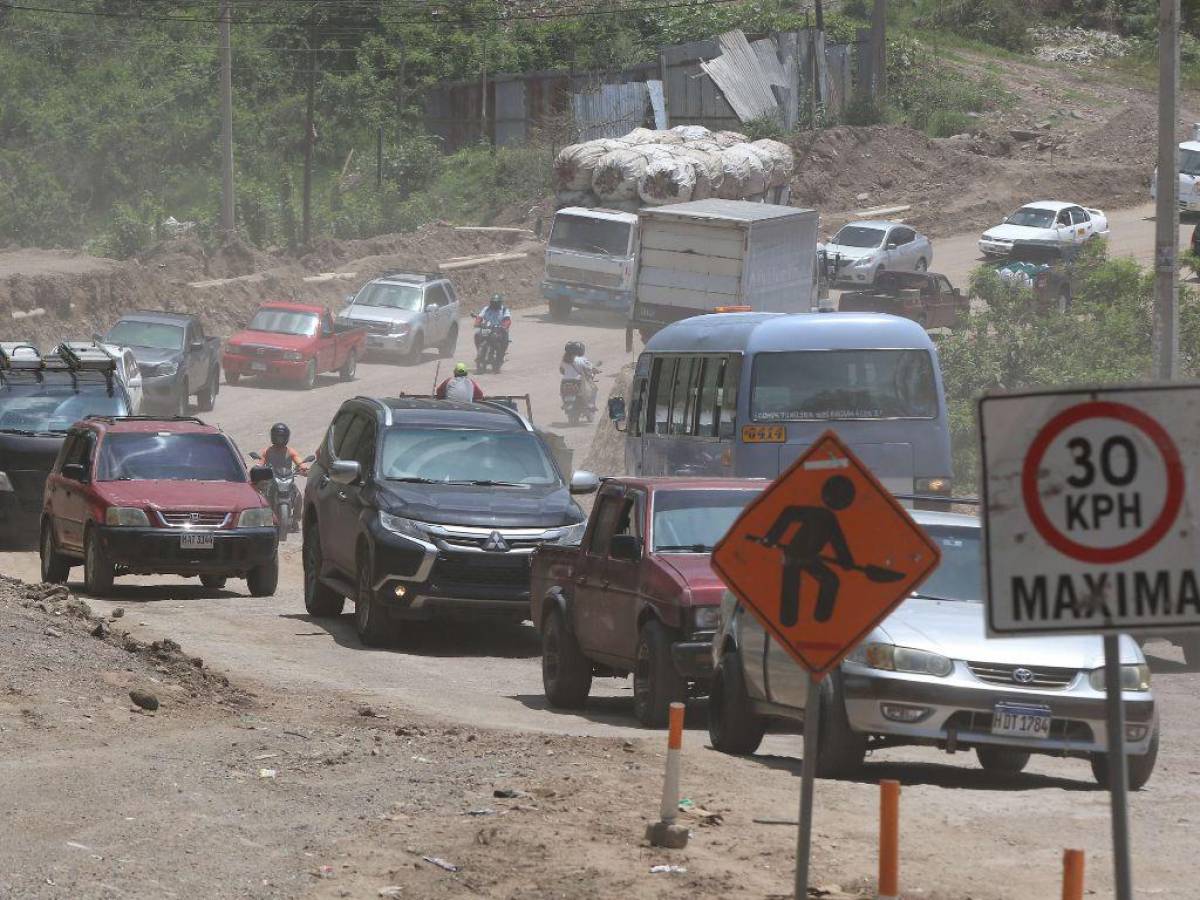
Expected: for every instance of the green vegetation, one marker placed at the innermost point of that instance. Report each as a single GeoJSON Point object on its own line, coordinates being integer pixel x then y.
{"type": "Point", "coordinates": [1014, 343]}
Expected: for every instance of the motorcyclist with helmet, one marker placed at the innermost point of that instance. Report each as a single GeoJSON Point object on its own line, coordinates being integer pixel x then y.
{"type": "Point", "coordinates": [576, 367]}
{"type": "Point", "coordinates": [278, 453]}
{"type": "Point", "coordinates": [461, 386]}
{"type": "Point", "coordinates": [496, 318]}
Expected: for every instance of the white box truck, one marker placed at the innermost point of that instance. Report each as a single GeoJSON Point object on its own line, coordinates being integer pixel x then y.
{"type": "Point", "coordinates": [722, 255]}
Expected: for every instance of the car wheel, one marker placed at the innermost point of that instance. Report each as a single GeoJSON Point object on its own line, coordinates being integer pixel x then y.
{"type": "Point", "coordinates": [207, 398]}
{"type": "Point", "coordinates": [566, 672]}
{"type": "Point", "coordinates": [875, 277]}
{"type": "Point", "coordinates": [1003, 760]}
{"type": "Point", "coordinates": [369, 619]}
{"type": "Point", "coordinates": [732, 725]}
{"type": "Point", "coordinates": [310, 375]}
{"type": "Point", "coordinates": [97, 569]}
{"type": "Point", "coordinates": [560, 310]}
{"type": "Point", "coordinates": [1191, 651]}
{"type": "Point", "coordinates": [450, 344]}
{"type": "Point", "coordinates": [320, 601]}
{"type": "Point", "coordinates": [181, 402]}
{"type": "Point", "coordinates": [1139, 768]}
{"type": "Point", "coordinates": [350, 368]}
{"type": "Point", "coordinates": [656, 684]}
{"type": "Point", "coordinates": [213, 582]}
{"type": "Point", "coordinates": [263, 579]}
{"type": "Point", "coordinates": [232, 377]}
{"type": "Point", "coordinates": [572, 416]}
{"type": "Point", "coordinates": [922, 265]}
{"type": "Point", "coordinates": [417, 349]}
{"type": "Point", "coordinates": [841, 750]}
{"type": "Point", "coordinates": [55, 567]}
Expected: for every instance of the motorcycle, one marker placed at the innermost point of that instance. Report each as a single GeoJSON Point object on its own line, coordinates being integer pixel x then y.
{"type": "Point", "coordinates": [577, 402]}
{"type": "Point", "coordinates": [282, 495]}
{"type": "Point", "coordinates": [492, 343]}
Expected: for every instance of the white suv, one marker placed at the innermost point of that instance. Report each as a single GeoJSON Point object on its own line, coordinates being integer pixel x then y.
{"type": "Point", "coordinates": [405, 313]}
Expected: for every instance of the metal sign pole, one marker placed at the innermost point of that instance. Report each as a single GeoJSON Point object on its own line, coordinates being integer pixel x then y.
{"type": "Point", "coordinates": [1118, 775]}
{"type": "Point", "coordinates": [812, 736]}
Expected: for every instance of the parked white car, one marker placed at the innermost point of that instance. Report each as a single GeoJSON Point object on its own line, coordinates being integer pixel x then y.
{"type": "Point", "coordinates": [861, 250]}
{"type": "Point", "coordinates": [1045, 220]}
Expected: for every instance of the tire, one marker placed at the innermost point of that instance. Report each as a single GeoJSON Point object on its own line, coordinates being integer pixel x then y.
{"type": "Point", "coordinates": [922, 265]}
{"type": "Point", "coordinates": [566, 672]}
{"type": "Point", "coordinates": [262, 580]}
{"type": "Point", "coordinates": [732, 725]}
{"type": "Point", "coordinates": [213, 582]}
{"type": "Point", "coordinates": [310, 376]}
{"type": "Point", "coordinates": [320, 601]}
{"type": "Point", "coordinates": [350, 368]}
{"type": "Point", "coordinates": [1002, 760]}
{"type": "Point", "coordinates": [207, 398]}
{"type": "Point", "coordinates": [417, 349]}
{"type": "Point", "coordinates": [1140, 768]}
{"type": "Point", "coordinates": [97, 569]}
{"type": "Point", "coordinates": [572, 416]}
{"type": "Point", "coordinates": [560, 310]}
{"type": "Point", "coordinates": [842, 751]}
{"type": "Point", "coordinates": [181, 402]}
{"type": "Point", "coordinates": [55, 567]}
{"type": "Point", "coordinates": [656, 684]}
{"type": "Point", "coordinates": [447, 347]}
{"type": "Point", "coordinates": [232, 378]}
{"type": "Point", "coordinates": [284, 525]}
{"type": "Point", "coordinates": [875, 277]}
{"type": "Point", "coordinates": [370, 620]}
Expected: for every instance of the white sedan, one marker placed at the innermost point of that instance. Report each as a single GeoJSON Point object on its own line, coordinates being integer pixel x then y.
{"type": "Point", "coordinates": [861, 250]}
{"type": "Point", "coordinates": [1045, 220]}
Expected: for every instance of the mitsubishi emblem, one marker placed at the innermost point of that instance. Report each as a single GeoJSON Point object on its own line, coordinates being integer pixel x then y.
{"type": "Point", "coordinates": [495, 543]}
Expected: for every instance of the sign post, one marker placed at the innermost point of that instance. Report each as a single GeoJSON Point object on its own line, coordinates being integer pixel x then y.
{"type": "Point", "coordinates": [821, 557]}
{"type": "Point", "coordinates": [1092, 527]}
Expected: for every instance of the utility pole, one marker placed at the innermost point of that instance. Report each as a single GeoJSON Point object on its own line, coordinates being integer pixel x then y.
{"type": "Point", "coordinates": [228, 223]}
{"type": "Point", "coordinates": [1166, 215]}
{"type": "Point", "coordinates": [879, 49]}
{"type": "Point", "coordinates": [309, 139]}
{"type": "Point", "coordinates": [820, 15]}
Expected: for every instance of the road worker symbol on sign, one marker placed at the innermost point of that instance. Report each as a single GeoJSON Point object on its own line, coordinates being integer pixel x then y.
{"type": "Point", "coordinates": [793, 556]}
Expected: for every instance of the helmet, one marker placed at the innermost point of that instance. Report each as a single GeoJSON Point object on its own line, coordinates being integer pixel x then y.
{"type": "Point", "coordinates": [574, 348]}
{"type": "Point", "coordinates": [280, 434]}
{"type": "Point", "coordinates": [460, 368]}
{"type": "Point", "coordinates": [497, 301]}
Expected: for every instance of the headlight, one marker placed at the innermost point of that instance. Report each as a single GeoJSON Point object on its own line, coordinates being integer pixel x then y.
{"type": "Point", "coordinates": [574, 534]}
{"type": "Point", "coordinates": [706, 618]}
{"type": "Point", "coordinates": [258, 517]}
{"type": "Point", "coordinates": [167, 368]}
{"type": "Point", "coordinates": [294, 355]}
{"type": "Point", "coordinates": [902, 659]}
{"type": "Point", "coordinates": [1134, 677]}
{"type": "Point", "coordinates": [864, 262]}
{"type": "Point", "coordinates": [402, 526]}
{"type": "Point", "coordinates": [5, 483]}
{"type": "Point", "coordinates": [399, 330]}
{"type": "Point", "coordinates": [129, 516]}
{"type": "Point", "coordinates": [937, 486]}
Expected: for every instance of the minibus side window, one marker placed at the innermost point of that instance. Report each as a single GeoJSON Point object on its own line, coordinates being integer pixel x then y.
{"type": "Point", "coordinates": [681, 397]}
{"type": "Point", "coordinates": [727, 398]}
{"type": "Point", "coordinates": [660, 389]}
{"type": "Point", "coordinates": [709, 407]}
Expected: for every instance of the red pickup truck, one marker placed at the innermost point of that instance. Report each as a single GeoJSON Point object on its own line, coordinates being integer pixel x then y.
{"type": "Point", "coordinates": [637, 594]}
{"type": "Point", "coordinates": [293, 342]}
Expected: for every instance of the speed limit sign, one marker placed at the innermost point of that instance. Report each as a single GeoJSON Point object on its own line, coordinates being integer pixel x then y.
{"type": "Point", "coordinates": [1091, 515]}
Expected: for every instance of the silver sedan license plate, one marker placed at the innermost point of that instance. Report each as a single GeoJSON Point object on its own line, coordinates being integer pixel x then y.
{"type": "Point", "coordinates": [1021, 720]}
{"type": "Point", "coordinates": [195, 542]}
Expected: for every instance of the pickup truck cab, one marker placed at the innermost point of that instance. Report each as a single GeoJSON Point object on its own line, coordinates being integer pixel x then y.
{"type": "Point", "coordinates": [636, 593]}
{"type": "Point", "coordinates": [294, 342]}
{"type": "Point", "coordinates": [141, 496]}
{"type": "Point", "coordinates": [175, 357]}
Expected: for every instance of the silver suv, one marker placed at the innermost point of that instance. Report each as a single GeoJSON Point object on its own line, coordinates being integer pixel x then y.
{"type": "Point", "coordinates": [405, 313]}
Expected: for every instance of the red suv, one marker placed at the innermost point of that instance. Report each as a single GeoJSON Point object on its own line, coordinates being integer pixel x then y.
{"type": "Point", "coordinates": [142, 496]}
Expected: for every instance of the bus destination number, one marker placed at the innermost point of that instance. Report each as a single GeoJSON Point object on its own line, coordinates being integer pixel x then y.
{"type": "Point", "coordinates": [764, 434]}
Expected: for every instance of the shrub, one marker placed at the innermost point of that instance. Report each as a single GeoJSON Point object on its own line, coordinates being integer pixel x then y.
{"type": "Point", "coordinates": [947, 122]}
{"type": "Point", "coordinates": [767, 126]}
{"type": "Point", "coordinates": [1002, 23]}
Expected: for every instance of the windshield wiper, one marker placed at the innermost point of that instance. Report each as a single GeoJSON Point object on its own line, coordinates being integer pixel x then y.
{"type": "Point", "coordinates": [685, 548]}
{"type": "Point", "coordinates": [483, 482]}
{"type": "Point", "coordinates": [26, 432]}
{"type": "Point", "coordinates": [414, 479]}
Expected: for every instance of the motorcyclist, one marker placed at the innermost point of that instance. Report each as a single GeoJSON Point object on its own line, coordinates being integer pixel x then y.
{"type": "Point", "coordinates": [575, 366]}
{"type": "Point", "coordinates": [495, 315]}
{"type": "Point", "coordinates": [461, 386]}
{"type": "Point", "coordinates": [278, 453]}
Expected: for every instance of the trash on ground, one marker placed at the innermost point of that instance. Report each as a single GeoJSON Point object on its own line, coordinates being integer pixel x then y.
{"type": "Point", "coordinates": [441, 863]}
{"type": "Point", "coordinates": [267, 773]}
{"type": "Point", "coordinates": [669, 869]}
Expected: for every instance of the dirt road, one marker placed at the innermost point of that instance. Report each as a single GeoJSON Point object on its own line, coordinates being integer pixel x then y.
{"type": "Point", "coordinates": [190, 783]}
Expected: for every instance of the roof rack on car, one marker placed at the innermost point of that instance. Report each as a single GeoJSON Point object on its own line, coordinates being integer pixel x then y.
{"type": "Point", "coordinates": [73, 356]}
{"type": "Point", "coordinates": [415, 276]}
{"type": "Point", "coordinates": [87, 356]}
{"type": "Point", "coordinates": [19, 355]}
{"type": "Point", "coordinates": [115, 419]}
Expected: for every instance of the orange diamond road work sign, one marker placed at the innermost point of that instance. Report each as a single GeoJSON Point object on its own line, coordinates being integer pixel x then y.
{"type": "Point", "coordinates": [823, 555]}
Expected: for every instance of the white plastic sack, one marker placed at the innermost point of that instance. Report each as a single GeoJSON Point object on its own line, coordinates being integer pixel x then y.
{"type": "Point", "coordinates": [707, 166]}
{"type": "Point", "coordinates": [745, 174]}
{"type": "Point", "coordinates": [615, 177]}
{"type": "Point", "coordinates": [689, 133]}
{"type": "Point", "coordinates": [667, 179]}
{"type": "Point", "coordinates": [574, 163]}
{"type": "Point", "coordinates": [726, 139]}
{"type": "Point", "coordinates": [778, 160]}
{"type": "Point", "coordinates": [645, 136]}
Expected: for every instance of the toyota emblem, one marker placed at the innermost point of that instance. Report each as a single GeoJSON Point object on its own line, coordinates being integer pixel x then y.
{"type": "Point", "coordinates": [496, 543]}
{"type": "Point", "coordinates": [1022, 676]}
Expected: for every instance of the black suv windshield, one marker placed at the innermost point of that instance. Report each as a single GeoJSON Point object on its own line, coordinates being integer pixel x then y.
{"type": "Point", "coordinates": [54, 403]}
{"type": "Point", "coordinates": [466, 456]}
{"type": "Point", "coordinates": [158, 456]}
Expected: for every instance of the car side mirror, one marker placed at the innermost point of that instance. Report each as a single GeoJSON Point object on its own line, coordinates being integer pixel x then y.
{"type": "Point", "coordinates": [350, 298]}
{"type": "Point", "coordinates": [626, 547]}
{"type": "Point", "coordinates": [75, 471]}
{"type": "Point", "coordinates": [310, 458]}
{"type": "Point", "coordinates": [431, 307]}
{"type": "Point", "coordinates": [196, 345]}
{"type": "Point", "coordinates": [892, 245]}
{"type": "Point", "coordinates": [254, 454]}
{"type": "Point", "coordinates": [259, 474]}
{"type": "Point", "coordinates": [345, 471]}
{"type": "Point", "coordinates": [584, 482]}
{"type": "Point", "coordinates": [616, 409]}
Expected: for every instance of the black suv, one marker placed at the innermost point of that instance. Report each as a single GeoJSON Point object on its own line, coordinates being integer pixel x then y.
{"type": "Point", "coordinates": [418, 508]}
{"type": "Point", "coordinates": [40, 399]}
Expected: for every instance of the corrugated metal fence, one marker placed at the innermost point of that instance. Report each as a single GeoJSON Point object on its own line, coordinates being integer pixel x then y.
{"type": "Point", "coordinates": [565, 107]}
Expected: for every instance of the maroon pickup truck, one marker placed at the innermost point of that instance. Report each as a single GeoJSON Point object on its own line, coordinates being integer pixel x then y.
{"type": "Point", "coordinates": [637, 594]}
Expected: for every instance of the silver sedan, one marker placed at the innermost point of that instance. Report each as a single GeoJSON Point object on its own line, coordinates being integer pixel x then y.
{"type": "Point", "coordinates": [861, 250]}
{"type": "Point", "coordinates": [929, 675]}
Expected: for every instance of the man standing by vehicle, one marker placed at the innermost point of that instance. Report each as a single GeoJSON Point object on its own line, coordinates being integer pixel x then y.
{"type": "Point", "coordinates": [461, 386]}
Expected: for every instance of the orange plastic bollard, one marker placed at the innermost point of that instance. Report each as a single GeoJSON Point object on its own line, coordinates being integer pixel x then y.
{"type": "Point", "coordinates": [889, 841]}
{"type": "Point", "coordinates": [1072, 875]}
